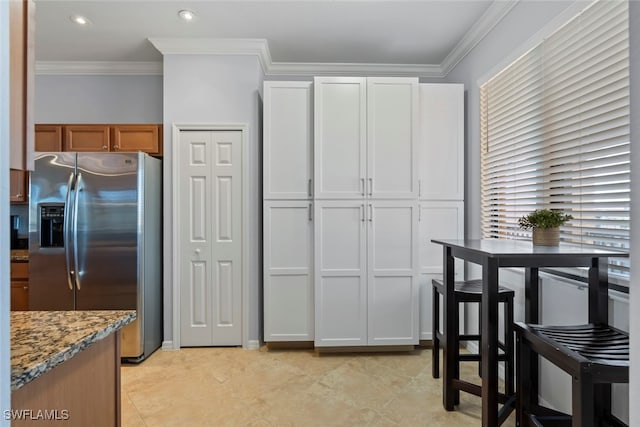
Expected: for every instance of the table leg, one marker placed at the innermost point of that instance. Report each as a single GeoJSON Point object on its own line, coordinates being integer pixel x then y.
{"type": "Point", "coordinates": [599, 313]}
{"type": "Point", "coordinates": [532, 316]}
{"type": "Point", "coordinates": [449, 332]}
{"type": "Point", "coordinates": [599, 291]}
{"type": "Point", "coordinates": [489, 350]}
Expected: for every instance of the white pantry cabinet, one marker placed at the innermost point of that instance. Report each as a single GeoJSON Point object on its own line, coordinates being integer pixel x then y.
{"type": "Point", "coordinates": [365, 137]}
{"type": "Point", "coordinates": [438, 220]}
{"type": "Point", "coordinates": [288, 272]}
{"type": "Point", "coordinates": [441, 141]}
{"type": "Point", "coordinates": [366, 281]}
{"type": "Point", "coordinates": [287, 140]}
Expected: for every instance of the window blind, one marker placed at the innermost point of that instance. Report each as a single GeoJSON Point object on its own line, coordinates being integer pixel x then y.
{"type": "Point", "coordinates": [554, 133]}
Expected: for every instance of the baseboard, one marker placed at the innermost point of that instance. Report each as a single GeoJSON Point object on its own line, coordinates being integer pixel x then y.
{"type": "Point", "coordinates": [168, 345]}
{"type": "Point", "coordinates": [365, 349]}
{"type": "Point", "coordinates": [253, 345]}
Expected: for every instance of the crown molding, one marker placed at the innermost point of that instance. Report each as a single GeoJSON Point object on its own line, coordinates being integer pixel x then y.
{"type": "Point", "coordinates": [98, 67]}
{"type": "Point", "coordinates": [215, 46]}
{"type": "Point", "coordinates": [352, 69]}
{"type": "Point", "coordinates": [489, 19]}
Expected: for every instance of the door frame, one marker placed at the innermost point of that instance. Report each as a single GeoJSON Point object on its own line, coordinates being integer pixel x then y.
{"type": "Point", "coordinates": [177, 128]}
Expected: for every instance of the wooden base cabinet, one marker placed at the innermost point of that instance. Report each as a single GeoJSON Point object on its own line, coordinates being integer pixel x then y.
{"type": "Point", "coordinates": [288, 273]}
{"type": "Point", "coordinates": [18, 186]}
{"type": "Point", "coordinates": [19, 286]}
{"type": "Point", "coordinates": [82, 391]}
{"type": "Point", "coordinates": [366, 273]}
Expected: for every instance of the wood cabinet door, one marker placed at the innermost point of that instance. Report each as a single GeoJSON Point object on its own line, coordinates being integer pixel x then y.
{"type": "Point", "coordinates": [19, 286]}
{"type": "Point", "coordinates": [90, 138]}
{"type": "Point", "coordinates": [287, 140]}
{"type": "Point", "coordinates": [19, 295]}
{"type": "Point", "coordinates": [48, 138]}
{"type": "Point", "coordinates": [288, 279]}
{"type": "Point", "coordinates": [136, 138]}
{"type": "Point", "coordinates": [18, 186]}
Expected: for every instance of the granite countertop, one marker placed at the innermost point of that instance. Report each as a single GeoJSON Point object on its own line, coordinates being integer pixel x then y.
{"type": "Point", "coordinates": [41, 340]}
{"type": "Point", "coordinates": [19, 255]}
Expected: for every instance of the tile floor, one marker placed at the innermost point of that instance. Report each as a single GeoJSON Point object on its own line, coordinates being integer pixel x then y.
{"type": "Point", "coordinates": [236, 387]}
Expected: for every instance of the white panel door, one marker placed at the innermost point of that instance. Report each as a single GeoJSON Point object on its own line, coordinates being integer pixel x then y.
{"type": "Point", "coordinates": [288, 280]}
{"type": "Point", "coordinates": [340, 273]}
{"type": "Point", "coordinates": [210, 238]}
{"type": "Point", "coordinates": [392, 137]}
{"type": "Point", "coordinates": [340, 136]}
{"type": "Point", "coordinates": [393, 272]}
{"type": "Point", "coordinates": [438, 220]}
{"type": "Point", "coordinates": [287, 140]}
{"type": "Point", "coordinates": [441, 141]}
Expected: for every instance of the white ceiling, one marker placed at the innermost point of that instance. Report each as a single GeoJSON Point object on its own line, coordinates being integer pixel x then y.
{"type": "Point", "coordinates": [309, 31]}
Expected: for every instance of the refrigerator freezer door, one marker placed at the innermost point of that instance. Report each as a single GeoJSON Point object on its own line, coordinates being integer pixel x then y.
{"type": "Point", "coordinates": [48, 276]}
{"type": "Point", "coordinates": [106, 233]}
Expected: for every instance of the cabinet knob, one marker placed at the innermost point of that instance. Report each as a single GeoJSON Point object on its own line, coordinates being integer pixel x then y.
{"type": "Point", "coordinates": [26, 288]}
{"type": "Point", "coordinates": [19, 195]}
{"type": "Point", "coordinates": [104, 147]}
{"type": "Point", "coordinates": [117, 147]}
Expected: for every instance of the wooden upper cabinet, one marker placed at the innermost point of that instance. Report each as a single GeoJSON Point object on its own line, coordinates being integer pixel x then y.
{"type": "Point", "coordinates": [21, 79]}
{"type": "Point", "coordinates": [48, 138]}
{"type": "Point", "coordinates": [86, 138]}
{"type": "Point", "coordinates": [136, 138]}
{"type": "Point", "coordinates": [99, 138]}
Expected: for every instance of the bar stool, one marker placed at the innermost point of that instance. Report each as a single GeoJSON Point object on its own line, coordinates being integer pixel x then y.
{"type": "Point", "coordinates": [594, 355]}
{"type": "Point", "coordinates": [470, 291]}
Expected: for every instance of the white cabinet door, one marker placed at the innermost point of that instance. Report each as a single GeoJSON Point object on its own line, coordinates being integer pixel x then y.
{"type": "Point", "coordinates": [340, 273]}
{"type": "Point", "coordinates": [392, 272]}
{"type": "Point", "coordinates": [287, 138]}
{"type": "Point", "coordinates": [340, 136]}
{"type": "Point", "coordinates": [288, 280]}
{"type": "Point", "coordinates": [438, 220]}
{"type": "Point", "coordinates": [392, 136]}
{"type": "Point", "coordinates": [441, 142]}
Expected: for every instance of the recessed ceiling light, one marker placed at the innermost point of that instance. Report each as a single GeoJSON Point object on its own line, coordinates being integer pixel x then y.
{"type": "Point", "coordinates": [79, 19]}
{"type": "Point", "coordinates": [186, 15]}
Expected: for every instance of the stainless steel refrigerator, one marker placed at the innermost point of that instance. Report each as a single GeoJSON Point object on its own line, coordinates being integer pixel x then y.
{"type": "Point", "coordinates": [95, 240]}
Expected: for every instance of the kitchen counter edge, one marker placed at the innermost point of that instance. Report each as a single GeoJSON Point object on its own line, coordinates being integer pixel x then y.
{"type": "Point", "coordinates": [42, 340]}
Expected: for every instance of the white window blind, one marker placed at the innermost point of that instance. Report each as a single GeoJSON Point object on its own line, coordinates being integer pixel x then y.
{"type": "Point", "coordinates": [555, 134]}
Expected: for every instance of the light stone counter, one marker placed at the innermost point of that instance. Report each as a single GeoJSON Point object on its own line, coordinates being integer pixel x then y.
{"type": "Point", "coordinates": [42, 340]}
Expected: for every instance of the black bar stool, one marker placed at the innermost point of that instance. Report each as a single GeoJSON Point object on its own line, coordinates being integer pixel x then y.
{"type": "Point", "coordinates": [594, 355]}
{"type": "Point", "coordinates": [470, 291]}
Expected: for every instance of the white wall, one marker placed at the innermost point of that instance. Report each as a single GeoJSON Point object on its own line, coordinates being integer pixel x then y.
{"type": "Point", "coordinates": [634, 41]}
{"type": "Point", "coordinates": [98, 99]}
{"type": "Point", "coordinates": [525, 24]}
{"type": "Point", "coordinates": [5, 363]}
{"type": "Point", "coordinates": [216, 89]}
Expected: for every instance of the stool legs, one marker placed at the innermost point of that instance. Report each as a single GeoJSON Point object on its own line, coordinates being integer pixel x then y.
{"type": "Point", "coordinates": [582, 400]}
{"type": "Point", "coordinates": [435, 352]}
{"type": "Point", "coordinates": [508, 342]}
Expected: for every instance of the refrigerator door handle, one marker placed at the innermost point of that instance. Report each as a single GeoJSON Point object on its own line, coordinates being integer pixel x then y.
{"type": "Point", "coordinates": [78, 189]}
{"type": "Point", "coordinates": [67, 229]}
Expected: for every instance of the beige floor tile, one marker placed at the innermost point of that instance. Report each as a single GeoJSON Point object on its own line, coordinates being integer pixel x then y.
{"type": "Point", "coordinates": [278, 388]}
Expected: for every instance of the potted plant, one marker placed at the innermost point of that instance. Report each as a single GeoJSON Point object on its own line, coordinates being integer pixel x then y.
{"type": "Point", "coordinates": [545, 224]}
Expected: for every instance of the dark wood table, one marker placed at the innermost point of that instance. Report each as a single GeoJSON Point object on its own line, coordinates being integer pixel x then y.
{"type": "Point", "coordinates": [493, 254]}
